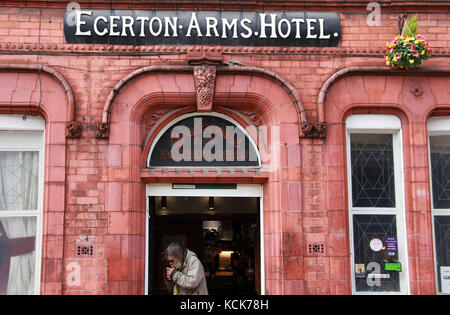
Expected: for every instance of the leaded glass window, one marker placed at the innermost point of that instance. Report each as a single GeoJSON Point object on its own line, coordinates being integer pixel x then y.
{"type": "Point", "coordinates": [440, 171]}
{"type": "Point", "coordinates": [372, 165]}
{"type": "Point", "coordinates": [376, 213]}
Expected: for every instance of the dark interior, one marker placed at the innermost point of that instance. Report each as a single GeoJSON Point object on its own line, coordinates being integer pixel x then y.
{"type": "Point", "coordinates": [222, 231]}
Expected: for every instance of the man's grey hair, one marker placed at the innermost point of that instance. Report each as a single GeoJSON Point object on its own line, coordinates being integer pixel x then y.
{"type": "Point", "coordinates": [174, 250]}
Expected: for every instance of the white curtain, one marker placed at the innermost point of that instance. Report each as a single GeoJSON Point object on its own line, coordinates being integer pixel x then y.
{"type": "Point", "coordinates": [19, 172]}
{"type": "Point", "coordinates": [22, 268]}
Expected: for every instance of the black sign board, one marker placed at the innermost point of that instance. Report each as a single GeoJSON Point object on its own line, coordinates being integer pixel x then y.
{"type": "Point", "coordinates": [225, 28]}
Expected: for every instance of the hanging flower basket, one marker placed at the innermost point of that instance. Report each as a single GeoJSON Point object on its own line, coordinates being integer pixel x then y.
{"type": "Point", "coordinates": [407, 52]}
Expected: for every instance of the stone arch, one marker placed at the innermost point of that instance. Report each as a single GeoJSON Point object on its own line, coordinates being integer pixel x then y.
{"type": "Point", "coordinates": [438, 88]}
{"type": "Point", "coordinates": [413, 96]}
{"type": "Point", "coordinates": [41, 90]}
{"type": "Point", "coordinates": [151, 97]}
{"type": "Point", "coordinates": [34, 81]}
{"type": "Point", "coordinates": [183, 87]}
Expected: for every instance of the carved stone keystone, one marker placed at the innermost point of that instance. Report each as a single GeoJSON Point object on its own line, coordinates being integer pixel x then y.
{"type": "Point", "coordinates": [205, 81]}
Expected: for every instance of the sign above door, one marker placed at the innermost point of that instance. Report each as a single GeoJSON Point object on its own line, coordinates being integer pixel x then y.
{"type": "Point", "coordinates": [225, 28]}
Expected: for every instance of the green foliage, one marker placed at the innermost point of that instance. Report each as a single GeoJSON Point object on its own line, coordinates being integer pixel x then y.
{"type": "Point", "coordinates": [410, 29]}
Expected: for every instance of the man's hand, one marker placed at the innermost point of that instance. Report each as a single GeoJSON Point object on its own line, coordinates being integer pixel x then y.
{"type": "Point", "coordinates": [169, 272]}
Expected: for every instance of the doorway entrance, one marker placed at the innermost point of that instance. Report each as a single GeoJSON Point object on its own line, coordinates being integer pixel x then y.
{"type": "Point", "coordinates": [221, 223]}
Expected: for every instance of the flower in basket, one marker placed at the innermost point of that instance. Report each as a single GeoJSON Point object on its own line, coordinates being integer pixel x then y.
{"type": "Point", "coordinates": [408, 50]}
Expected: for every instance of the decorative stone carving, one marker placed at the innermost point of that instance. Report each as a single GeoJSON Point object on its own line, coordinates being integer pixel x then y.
{"type": "Point", "coordinates": [203, 56]}
{"type": "Point", "coordinates": [73, 129]}
{"type": "Point", "coordinates": [314, 130]}
{"type": "Point", "coordinates": [417, 90]}
{"type": "Point", "coordinates": [252, 117]}
{"type": "Point", "coordinates": [205, 81]}
{"type": "Point", "coordinates": [102, 130]}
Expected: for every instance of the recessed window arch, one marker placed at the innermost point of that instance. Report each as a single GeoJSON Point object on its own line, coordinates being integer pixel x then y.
{"type": "Point", "coordinates": [376, 204]}
{"type": "Point", "coordinates": [204, 140]}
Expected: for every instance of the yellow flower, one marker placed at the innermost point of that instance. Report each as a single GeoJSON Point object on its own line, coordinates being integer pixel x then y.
{"type": "Point", "coordinates": [423, 52]}
{"type": "Point", "coordinates": [386, 58]}
{"type": "Point", "coordinates": [411, 60]}
{"type": "Point", "coordinates": [416, 41]}
{"type": "Point", "coordinates": [394, 59]}
{"type": "Point", "coordinates": [388, 63]}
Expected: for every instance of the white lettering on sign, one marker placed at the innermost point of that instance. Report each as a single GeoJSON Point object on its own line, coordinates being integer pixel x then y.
{"type": "Point", "coordinates": [244, 25]}
{"type": "Point", "coordinates": [268, 25]}
{"type": "Point", "coordinates": [79, 22]}
{"type": "Point", "coordinates": [194, 24]}
{"type": "Point", "coordinates": [229, 26]}
{"type": "Point", "coordinates": [105, 31]}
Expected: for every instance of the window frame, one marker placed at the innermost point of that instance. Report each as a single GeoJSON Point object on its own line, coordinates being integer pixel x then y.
{"type": "Point", "coordinates": [380, 124]}
{"type": "Point", "coordinates": [436, 126]}
{"type": "Point", "coordinates": [26, 123]}
{"type": "Point", "coordinates": [173, 122]}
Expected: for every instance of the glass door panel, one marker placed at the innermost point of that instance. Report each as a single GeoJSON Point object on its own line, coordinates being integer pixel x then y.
{"type": "Point", "coordinates": [375, 253]}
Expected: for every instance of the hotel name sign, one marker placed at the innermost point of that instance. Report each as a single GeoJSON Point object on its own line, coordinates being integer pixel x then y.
{"type": "Point", "coordinates": [225, 28]}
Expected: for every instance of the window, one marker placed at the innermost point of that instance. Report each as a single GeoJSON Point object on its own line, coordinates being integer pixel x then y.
{"type": "Point", "coordinates": [439, 142]}
{"type": "Point", "coordinates": [375, 180]}
{"type": "Point", "coordinates": [21, 173]}
{"type": "Point", "coordinates": [206, 140]}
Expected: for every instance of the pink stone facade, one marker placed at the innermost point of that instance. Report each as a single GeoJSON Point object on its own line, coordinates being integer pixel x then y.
{"type": "Point", "coordinates": [116, 99]}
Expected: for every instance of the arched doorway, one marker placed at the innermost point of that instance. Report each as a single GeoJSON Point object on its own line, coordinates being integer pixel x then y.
{"type": "Point", "coordinates": [220, 222]}
{"type": "Point", "coordinates": [145, 102]}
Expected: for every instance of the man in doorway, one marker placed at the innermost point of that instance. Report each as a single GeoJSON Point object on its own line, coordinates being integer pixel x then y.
{"type": "Point", "coordinates": [186, 275]}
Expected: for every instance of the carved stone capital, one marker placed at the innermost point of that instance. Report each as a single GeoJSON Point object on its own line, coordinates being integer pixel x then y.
{"type": "Point", "coordinates": [205, 81]}
{"type": "Point", "coordinates": [314, 130]}
{"type": "Point", "coordinates": [73, 129]}
{"type": "Point", "coordinates": [102, 130]}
